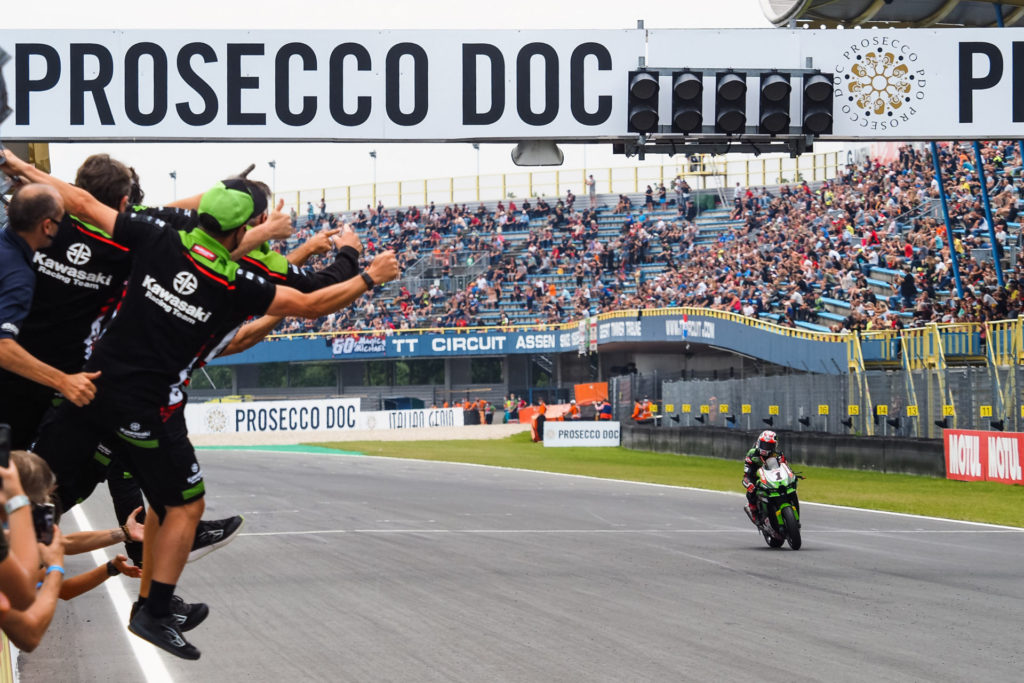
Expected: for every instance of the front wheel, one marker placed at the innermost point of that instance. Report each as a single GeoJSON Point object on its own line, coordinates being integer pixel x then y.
{"type": "Point", "coordinates": [792, 528]}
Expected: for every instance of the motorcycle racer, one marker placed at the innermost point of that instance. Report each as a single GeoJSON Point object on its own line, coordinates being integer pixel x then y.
{"type": "Point", "coordinates": [765, 447]}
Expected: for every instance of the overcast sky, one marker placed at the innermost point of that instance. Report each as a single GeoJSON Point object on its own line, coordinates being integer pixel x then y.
{"type": "Point", "coordinates": [308, 165]}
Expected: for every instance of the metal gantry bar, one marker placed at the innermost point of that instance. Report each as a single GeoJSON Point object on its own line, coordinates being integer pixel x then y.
{"type": "Point", "coordinates": [945, 216]}
{"type": "Point", "coordinates": [988, 212]}
{"type": "Point", "coordinates": [999, 23]}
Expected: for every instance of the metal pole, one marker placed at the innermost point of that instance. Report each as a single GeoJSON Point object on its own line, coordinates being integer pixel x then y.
{"type": "Point", "coordinates": [945, 216]}
{"type": "Point", "coordinates": [988, 212]}
{"type": "Point", "coordinates": [999, 22]}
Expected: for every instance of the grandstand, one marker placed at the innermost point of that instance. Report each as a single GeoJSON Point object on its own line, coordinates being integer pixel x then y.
{"type": "Point", "coordinates": [865, 251]}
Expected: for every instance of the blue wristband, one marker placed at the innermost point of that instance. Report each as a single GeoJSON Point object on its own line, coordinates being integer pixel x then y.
{"type": "Point", "coordinates": [54, 568]}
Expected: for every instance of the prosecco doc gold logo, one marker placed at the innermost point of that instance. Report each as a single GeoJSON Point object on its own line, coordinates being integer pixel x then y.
{"type": "Point", "coordinates": [216, 420]}
{"type": "Point", "coordinates": [880, 83]}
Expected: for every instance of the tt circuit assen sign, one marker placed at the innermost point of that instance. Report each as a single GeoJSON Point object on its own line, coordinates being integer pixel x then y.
{"type": "Point", "coordinates": [494, 85]}
{"type": "Point", "coordinates": [984, 456]}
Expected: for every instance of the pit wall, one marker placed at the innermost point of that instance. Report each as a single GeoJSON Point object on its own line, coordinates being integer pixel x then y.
{"type": "Point", "coordinates": [877, 454]}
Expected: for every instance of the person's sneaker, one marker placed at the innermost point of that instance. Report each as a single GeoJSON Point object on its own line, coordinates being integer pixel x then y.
{"type": "Point", "coordinates": [164, 633]}
{"type": "Point", "coordinates": [214, 534]}
{"type": "Point", "coordinates": [187, 615]}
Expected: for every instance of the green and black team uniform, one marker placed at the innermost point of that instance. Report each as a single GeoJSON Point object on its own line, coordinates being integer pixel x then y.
{"type": "Point", "coordinates": [79, 279]}
{"type": "Point", "coordinates": [181, 286]}
{"type": "Point", "coordinates": [276, 268]}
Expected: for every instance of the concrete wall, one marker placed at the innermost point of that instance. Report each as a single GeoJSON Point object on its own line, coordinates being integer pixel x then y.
{"type": "Point", "coordinates": [906, 456]}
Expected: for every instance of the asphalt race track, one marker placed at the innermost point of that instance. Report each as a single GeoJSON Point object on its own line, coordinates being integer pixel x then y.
{"type": "Point", "coordinates": [370, 569]}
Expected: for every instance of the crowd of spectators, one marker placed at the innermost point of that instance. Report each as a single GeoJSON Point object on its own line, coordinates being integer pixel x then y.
{"type": "Point", "coordinates": [869, 242]}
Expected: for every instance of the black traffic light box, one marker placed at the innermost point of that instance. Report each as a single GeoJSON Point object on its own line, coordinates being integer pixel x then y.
{"type": "Point", "coordinates": [643, 102]}
{"type": "Point", "coordinates": [817, 104]}
{"type": "Point", "coordinates": [730, 102]}
{"type": "Point", "coordinates": [773, 112]}
{"type": "Point", "coordinates": [687, 101]}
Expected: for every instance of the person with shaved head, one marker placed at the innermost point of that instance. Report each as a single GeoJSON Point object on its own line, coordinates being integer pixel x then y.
{"type": "Point", "coordinates": [35, 212]}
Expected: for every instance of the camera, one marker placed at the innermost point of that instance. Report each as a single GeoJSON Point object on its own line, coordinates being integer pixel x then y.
{"type": "Point", "coordinates": [43, 516]}
{"type": "Point", "coordinates": [6, 184]}
{"type": "Point", "coordinates": [5, 445]}
{"type": "Point", "coordinates": [5, 110]}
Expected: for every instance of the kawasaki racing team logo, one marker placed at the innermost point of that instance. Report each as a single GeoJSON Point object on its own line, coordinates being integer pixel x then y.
{"type": "Point", "coordinates": [879, 83]}
{"type": "Point", "coordinates": [79, 254]}
{"type": "Point", "coordinates": [185, 283]}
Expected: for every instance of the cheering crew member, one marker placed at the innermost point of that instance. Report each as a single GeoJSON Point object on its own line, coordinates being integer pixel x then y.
{"type": "Point", "coordinates": [181, 288]}
{"type": "Point", "coordinates": [80, 276]}
{"type": "Point", "coordinates": [35, 213]}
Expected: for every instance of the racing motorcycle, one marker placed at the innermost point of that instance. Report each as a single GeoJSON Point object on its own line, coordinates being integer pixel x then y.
{"type": "Point", "coordinates": [777, 504]}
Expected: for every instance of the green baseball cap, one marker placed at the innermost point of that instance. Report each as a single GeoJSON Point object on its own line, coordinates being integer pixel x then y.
{"type": "Point", "coordinates": [230, 204]}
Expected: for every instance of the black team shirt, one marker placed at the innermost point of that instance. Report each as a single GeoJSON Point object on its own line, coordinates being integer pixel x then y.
{"type": "Point", "coordinates": [81, 277]}
{"type": "Point", "coordinates": [181, 290]}
{"type": "Point", "coordinates": [79, 280]}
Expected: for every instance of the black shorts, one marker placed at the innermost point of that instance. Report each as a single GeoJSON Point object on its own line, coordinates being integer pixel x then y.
{"type": "Point", "coordinates": [157, 452]}
{"type": "Point", "coordinates": [22, 405]}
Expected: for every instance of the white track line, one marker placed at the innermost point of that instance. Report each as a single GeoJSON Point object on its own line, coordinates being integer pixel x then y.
{"type": "Point", "coordinates": [860, 532]}
{"type": "Point", "coordinates": [148, 656]}
{"type": "Point", "coordinates": [638, 483]}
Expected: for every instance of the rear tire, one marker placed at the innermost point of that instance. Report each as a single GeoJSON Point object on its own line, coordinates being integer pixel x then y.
{"type": "Point", "coordinates": [792, 528]}
{"type": "Point", "coordinates": [772, 541]}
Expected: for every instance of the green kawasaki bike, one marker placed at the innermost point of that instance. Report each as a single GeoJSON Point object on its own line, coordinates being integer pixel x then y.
{"type": "Point", "coordinates": [777, 504]}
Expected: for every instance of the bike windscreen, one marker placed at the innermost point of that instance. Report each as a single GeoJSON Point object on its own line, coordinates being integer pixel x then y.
{"type": "Point", "coordinates": [771, 463]}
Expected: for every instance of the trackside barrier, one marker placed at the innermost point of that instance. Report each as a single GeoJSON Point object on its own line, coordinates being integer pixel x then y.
{"type": "Point", "coordinates": [579, 433]}
{"type": "Point", "coordinates": [879, 454]}
{"type": "Point", "coordinates": [322, 415]}
{"type": "Point", "coordinates": [984, 456]}
{"type": "Point", "coordinates": [411, 419]}
{"type": "Point", "coordinates": [272, 416]}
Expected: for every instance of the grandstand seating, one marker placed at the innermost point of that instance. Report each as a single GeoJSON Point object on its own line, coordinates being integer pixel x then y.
{"type": "Point", "coordinates": [716, 236]}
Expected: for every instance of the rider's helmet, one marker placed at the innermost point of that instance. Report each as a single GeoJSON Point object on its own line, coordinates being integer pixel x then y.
{"type": "Point", "coordinates": [766, 443]}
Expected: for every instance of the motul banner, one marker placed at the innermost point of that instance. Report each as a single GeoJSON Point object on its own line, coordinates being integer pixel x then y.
{"type": "Point", "coordinates": [984, 456]}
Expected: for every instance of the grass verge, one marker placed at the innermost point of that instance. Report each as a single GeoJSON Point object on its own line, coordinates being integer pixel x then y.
{"type": "Point", "coordinates": [975, 501]}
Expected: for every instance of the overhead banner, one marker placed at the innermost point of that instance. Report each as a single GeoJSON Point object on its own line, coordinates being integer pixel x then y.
{"type": "Point", "coordinates": [567, 85]}
{"type": "Point", "coordinates": [984, 456]}
{"type": "Point", "coordinates": [317, 85]}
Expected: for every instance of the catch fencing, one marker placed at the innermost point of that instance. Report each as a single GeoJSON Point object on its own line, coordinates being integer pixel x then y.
{"type": "Point", "coordinates": [887, 403]}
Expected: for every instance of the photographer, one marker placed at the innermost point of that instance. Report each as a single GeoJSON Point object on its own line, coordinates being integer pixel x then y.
{"type": "Point", "coordinates": [26, 628]}
{"type": "Point", "coordinates": [19, 556]}
{"type": "Point", "coordinates": [26, 624]}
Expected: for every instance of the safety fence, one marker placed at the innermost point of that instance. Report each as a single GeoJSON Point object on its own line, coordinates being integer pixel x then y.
{"type": "Point", "coordinates": [701, 172]}
{"type": "Point", "coordinates": [890, 455]}
{"type": "Point", "coordinates": [888, 403]}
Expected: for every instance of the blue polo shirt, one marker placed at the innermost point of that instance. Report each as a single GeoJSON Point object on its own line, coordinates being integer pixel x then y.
{"type": "Point", "coordinates": [17, 282]}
